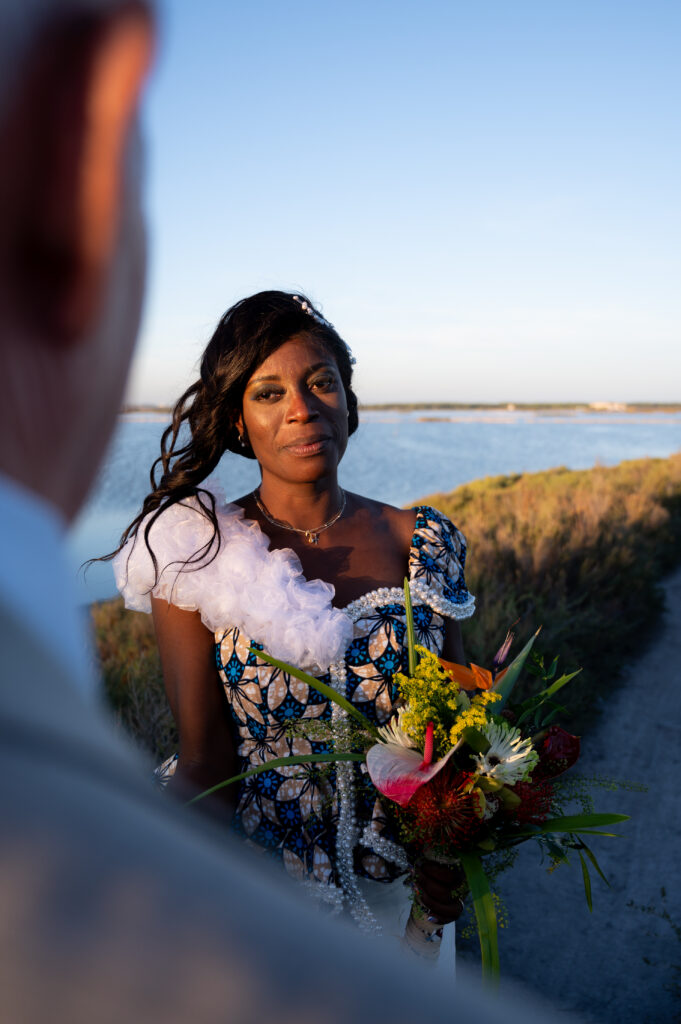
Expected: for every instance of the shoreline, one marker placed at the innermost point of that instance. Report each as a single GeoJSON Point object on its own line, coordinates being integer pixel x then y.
{"type": "Point", "coordinates": [640, 408]}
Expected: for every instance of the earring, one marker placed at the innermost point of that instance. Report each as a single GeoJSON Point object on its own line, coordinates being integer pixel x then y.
{"type": "Point", "coordinates": [241, 440]}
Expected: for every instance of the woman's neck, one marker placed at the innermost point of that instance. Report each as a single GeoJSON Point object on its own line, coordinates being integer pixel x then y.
{"type": "Point", "coordinates": [303, 506]}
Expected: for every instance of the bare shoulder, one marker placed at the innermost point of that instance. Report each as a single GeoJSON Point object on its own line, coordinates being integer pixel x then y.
{"type": "Point", "coordinates": [399, 522]}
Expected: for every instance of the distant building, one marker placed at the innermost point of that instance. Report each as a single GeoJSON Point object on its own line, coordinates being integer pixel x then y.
{"type": "Point", "coordinates": [607, 406]}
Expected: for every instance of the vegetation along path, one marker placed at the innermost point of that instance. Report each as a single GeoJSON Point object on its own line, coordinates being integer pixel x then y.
{"type": "Point", "coordinates": [621, 963]}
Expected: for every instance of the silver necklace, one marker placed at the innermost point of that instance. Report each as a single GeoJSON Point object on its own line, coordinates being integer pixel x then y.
{"type": "Point", "coordinates": [311, 536]}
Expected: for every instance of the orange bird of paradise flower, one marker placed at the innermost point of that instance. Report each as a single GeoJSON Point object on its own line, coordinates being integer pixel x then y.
{"type": "Point", "coordinates": [475, 677]}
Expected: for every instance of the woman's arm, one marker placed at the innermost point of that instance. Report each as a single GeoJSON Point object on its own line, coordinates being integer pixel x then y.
{"type": "Point", "coordinates": [452, 649]}
{"type": "Point", "coordinates": [199, 707]}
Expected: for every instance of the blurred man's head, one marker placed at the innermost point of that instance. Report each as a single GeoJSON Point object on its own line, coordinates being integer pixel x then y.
{"type": "Point", "coordinates": [72, 246]}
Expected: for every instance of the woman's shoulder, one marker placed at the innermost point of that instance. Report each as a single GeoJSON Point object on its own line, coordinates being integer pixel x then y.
{"type": "Point", "coordinates": [233, 579]}
{"type": "Point", "coordinates": [380, 510]}
{"type": "Point", "coordinates": [437, 540]}
{"type": "Point", "coordinates": [431, 522]}
{"type": "Point", "coordinates": [169, 542]}
{"type": "Point", "coordinates": [384, 520]}
{"type": "Point", "coordinates": [437, 561]}
{"type": "Point", "coordinates": [421, 528]}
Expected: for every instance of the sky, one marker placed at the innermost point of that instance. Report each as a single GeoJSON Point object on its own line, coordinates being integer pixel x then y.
{"type": "Point", "coordinates": [483, 198]}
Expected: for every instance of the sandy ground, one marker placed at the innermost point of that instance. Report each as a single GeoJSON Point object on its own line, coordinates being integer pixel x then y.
{"type": "Point", "coordinates": [622, 963]}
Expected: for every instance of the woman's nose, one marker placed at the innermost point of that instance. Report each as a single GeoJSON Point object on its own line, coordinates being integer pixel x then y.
{"type": "Point", "coordinates": [301, 406]}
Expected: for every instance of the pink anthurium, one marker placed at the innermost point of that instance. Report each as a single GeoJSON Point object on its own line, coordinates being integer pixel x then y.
{"type": "Point", "coordinates": [398, 771]}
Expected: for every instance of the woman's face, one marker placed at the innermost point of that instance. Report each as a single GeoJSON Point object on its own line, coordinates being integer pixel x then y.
{"type": "Point", "coordinates": [295, 414]}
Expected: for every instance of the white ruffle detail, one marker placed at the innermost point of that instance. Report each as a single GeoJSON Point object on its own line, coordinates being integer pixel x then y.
{"type": "Point", "coordinates": [262, 592]}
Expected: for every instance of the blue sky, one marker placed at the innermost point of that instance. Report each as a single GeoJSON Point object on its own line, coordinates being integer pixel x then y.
{"type": "Point", "coordinates": [482, 197]}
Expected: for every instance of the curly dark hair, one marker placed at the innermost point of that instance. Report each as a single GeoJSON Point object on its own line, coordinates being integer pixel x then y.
{"type": "Point", "coordinates": [249, 332]}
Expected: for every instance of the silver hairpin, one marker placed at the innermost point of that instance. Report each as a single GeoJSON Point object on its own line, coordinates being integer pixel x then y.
{"type": "Point", "coordinates": [311, 311]}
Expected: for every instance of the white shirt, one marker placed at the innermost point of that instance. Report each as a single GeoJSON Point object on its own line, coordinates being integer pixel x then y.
{"type": "Point", "coordinates": [36, 580]}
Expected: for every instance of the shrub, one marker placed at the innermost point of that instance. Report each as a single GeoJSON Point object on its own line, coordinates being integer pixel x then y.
{"type": "Point", "coordinates": [131, 673]}
{"type": "Point", "coordinates": [581, 553]}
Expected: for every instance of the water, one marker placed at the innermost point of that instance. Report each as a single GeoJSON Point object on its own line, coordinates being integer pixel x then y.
{"type": "Point", "coordinates": [397, 457]}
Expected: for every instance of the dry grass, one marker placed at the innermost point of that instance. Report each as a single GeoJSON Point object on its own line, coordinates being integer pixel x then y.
{"type": "Point", "coordinates": [131, 671]}
{"type": "Point", "coordinates": [581, 553]}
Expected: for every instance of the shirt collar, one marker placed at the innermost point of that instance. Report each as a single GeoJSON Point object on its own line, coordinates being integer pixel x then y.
{"type": "Point", "coordinates": [37, 583]}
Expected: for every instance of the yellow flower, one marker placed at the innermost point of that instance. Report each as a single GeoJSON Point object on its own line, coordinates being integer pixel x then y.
{"type": "Point", "coordinates": [431, 695]}
{"type": "Point", "coordinates": [473, 717]}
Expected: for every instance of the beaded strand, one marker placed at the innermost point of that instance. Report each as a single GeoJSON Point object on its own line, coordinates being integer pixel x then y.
{"type": "Point", "coordinates": [348, 833]}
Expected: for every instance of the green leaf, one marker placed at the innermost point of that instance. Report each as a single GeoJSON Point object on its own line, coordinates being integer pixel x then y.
{"type": "Point", "coordinates": [527, 708]}
{"type": "Point", "coordinates": [595, 863]}
{"type": "Point", "coordinates": [553, 689]}
{"type": "Point", "coordinates": [533, 703]}
{"type": "Point", "coordinates": [541, 833]}
{"type": "Point", "coordinates": [506, 684]}
{"type": "Point", "coordinates": [550, 717]}
{"type": "Point", "coordinates": [576, 822]}
{"type": "Point", "coordinates": [411, 638]}
{"type": "Point", "coordinates": [485, 915]}
{"type": "Point", "coordinates": [475, 740]}
{"type": "Point", "coordinates": [317, 684]}
{"type": "Point", "coordinates": [587, 881]}
{"type": "Point", "coordinates": [489, 785]}
{"type": "Point", "coordinates": [509, 799]}
{"type": "Point", "coordinates": [277, 762]}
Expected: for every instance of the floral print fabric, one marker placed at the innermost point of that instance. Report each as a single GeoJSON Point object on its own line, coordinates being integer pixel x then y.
{"type": "Point", "coordinates": [291, 812]}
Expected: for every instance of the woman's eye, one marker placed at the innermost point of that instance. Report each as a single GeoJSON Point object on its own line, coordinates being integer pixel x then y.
{"type": "Point", "coordinates": [266, 394]}
{"type": "Point", "coordinates": [325, 383]}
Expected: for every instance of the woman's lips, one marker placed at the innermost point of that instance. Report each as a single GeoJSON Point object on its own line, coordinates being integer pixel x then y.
{"type": "Point", "coordinates": [314, 446]}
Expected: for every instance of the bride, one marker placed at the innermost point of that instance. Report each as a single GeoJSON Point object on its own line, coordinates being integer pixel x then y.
{"type": "Point", "coordinates": [311, 574]}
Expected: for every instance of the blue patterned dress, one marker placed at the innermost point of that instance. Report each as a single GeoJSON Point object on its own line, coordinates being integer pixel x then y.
{"type": "Point", "coordinates": [291, 813]}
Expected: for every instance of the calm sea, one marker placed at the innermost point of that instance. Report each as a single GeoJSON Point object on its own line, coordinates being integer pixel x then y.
{"type": "Point", "coordinates": [397, 457]}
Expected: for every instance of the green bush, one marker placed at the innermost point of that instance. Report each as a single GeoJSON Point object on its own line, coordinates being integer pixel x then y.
{"type": "Point", "coordinates": [580, 553]}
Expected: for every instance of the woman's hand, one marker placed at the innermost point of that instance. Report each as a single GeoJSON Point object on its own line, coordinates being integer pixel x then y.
{"type": "Point", "coordinates": [439, 889]}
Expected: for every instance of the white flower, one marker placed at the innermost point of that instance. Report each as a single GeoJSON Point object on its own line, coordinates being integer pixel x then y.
{"type": "Point", "coordinates": [510, 758]}
{"type": "Point", "coordinates": [393, 732]}
{"type": "Point", "coordinates": [491, 806]}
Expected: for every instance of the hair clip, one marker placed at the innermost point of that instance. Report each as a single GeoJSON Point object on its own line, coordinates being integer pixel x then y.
{"type": "Point", "coordinates": [308, 308]}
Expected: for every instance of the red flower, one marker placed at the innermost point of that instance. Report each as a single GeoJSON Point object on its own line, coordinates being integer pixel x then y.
{"type": "Point", "coordinates": [535, 802]}
{"type": "Point", "coordinates": [558, 751]}
{"type": "Point", "coordinates": [444, 812]}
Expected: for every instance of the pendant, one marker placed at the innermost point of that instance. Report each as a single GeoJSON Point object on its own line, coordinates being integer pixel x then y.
{"type": "Point", "coordinates": [311, 537]}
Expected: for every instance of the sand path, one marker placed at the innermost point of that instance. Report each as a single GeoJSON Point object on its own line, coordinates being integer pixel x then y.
{"type": "Point", "coordinates": [622, 963]}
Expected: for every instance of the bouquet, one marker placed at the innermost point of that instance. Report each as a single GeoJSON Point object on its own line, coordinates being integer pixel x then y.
{"type": "Point", "coordinates": [467, 774]}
